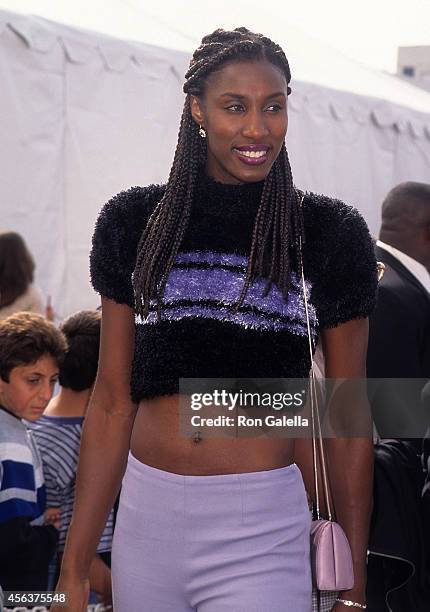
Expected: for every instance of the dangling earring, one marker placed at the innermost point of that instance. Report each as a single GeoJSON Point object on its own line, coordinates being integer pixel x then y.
{"type": "Point", "coordinates": [202, 131]}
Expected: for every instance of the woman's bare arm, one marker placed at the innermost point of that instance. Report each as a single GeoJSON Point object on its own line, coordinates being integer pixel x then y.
{"type": "Point", "coordinates": [104, 447]}
{"type": "Point", "coordinates": [351, 458]}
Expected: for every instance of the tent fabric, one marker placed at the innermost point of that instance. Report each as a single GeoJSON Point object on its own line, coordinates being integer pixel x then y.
{"type": "Point", "coordinates": [83, 115]}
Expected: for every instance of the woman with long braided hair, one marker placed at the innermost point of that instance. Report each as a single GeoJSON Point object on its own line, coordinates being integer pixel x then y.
{"type": "Point", "coordinates": [200, 278]}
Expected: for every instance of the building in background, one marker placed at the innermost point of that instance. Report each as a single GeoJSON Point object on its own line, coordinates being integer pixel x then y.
{"type": "Point", "coordinates": [413, 64]}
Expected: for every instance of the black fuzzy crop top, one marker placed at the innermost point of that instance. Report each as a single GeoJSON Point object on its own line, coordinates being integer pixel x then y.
{"type": "Point", "coordinates": [198, 335]}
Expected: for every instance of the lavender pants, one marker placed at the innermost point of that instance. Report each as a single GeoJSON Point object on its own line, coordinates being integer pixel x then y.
{"type": "Point", "coordinates": [228, 542]}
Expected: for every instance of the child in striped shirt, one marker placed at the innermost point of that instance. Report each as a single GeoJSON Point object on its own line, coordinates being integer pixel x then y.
{"type": "Point", "coordinates": [31, 350]}
{"type": "Point", "coordinates": [58, 435]}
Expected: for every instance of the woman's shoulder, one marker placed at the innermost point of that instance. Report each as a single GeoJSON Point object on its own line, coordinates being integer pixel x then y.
{"type": "Point", "coordinates": [115, 240]}
{"type": "Point", "coordinates": [322, 210]}
{"type": "Point", "coordinates": [339, 258]}
{"type": "Point", "coordinates": [131, 205]}
{"type": "Point", "coordinates": [122, 219]}
{"type": "Point", "coordinates": [332, 225]}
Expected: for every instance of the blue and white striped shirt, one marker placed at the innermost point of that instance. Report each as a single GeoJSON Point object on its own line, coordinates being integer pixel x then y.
{"type": "Point", "coordinates": [59, 440]}
{"type": "Point", "coordinates": [22, 490]}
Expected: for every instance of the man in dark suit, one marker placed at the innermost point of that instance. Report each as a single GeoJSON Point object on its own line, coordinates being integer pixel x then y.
{"type": "Point", "coordinates": [399, 333]}
{"type": "Point", "coordinates": [399, 349]}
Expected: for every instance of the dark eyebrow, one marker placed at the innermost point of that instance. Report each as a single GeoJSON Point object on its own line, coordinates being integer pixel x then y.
{"type": "Point", "coordinates": [229, 94]}
{"type": "Point", "coordinates": [42, 375]}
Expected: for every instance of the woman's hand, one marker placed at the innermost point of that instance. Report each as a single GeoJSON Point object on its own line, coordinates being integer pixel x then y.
{"type": "Point", "coordinates": [100, 581]}
{"type": "Point", "coordinates": [77, 593]}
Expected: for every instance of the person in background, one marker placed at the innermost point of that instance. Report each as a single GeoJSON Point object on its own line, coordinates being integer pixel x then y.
{"type": "Point", "coordinates": [31, 351]}
{"type": "Point", "coordinates": [399, 332]}
{"type": "Point", "coordinates": [398, 364]}
{"type": "Point", "coordinates": [17, 292]}
{"type": "Point", "coordinates": [58, 435]}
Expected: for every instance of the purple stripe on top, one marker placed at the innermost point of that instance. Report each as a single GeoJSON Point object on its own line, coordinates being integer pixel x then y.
{"type": "Point", "coordinates": [225, 286]}
{"type": "Point", "coordinates": [248, 320]}
{"type": "Point", "coordinates": [230, 259]}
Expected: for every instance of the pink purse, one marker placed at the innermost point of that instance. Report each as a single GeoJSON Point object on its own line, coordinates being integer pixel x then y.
{"type": "Point", "coordinates": [331, 559]}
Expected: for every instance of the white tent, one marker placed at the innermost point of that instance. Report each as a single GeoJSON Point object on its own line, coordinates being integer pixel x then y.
{"type": "Point", "coordinates": [83, 115]}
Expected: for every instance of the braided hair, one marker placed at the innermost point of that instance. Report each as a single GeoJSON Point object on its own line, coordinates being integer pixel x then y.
{"type": "Point", "coordinates": [278, 224]}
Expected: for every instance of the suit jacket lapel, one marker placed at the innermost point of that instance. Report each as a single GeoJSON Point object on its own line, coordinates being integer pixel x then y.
{"type": "Point", "coordinates": [387, 258]}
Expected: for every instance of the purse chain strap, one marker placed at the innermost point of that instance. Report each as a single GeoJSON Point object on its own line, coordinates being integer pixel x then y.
{"type": "Point", "coordinates": [315, 414]}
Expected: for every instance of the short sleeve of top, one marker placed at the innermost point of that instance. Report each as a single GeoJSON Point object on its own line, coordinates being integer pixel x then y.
{"type": "Point", "coordinates": [115, 241]}
{"type": "Point", "coordinates": [341, 258]}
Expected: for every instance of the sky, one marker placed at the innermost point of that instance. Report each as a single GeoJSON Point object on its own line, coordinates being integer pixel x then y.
{"type": "Point", "coordinates": [369, 31]}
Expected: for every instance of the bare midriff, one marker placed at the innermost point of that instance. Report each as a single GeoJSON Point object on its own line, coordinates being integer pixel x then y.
{"type": "Point", "coordinates": [160, 439]}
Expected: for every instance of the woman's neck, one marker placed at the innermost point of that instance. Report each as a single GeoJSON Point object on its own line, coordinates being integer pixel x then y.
{"type": "Point", "coordinates": [229, 198]}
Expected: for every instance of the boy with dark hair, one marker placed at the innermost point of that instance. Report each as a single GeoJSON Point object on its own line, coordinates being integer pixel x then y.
{"type": "Point", "coordinates": [31, 350]}
{"type": "Point", "coordinates": [58, 434]}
